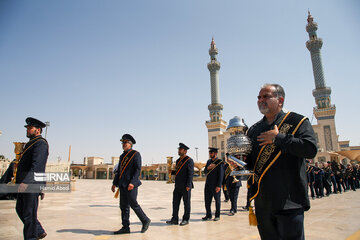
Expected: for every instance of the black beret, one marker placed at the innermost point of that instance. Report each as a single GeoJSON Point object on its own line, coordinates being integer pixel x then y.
{"type": "Point", "coordinates": [212, 149]}
{"type": "Point", "coordinates": [128, 137]}
{"type": "Point", "coordinates": [34, 122]}
{"type": "Point", "coordinates": [183, 146]}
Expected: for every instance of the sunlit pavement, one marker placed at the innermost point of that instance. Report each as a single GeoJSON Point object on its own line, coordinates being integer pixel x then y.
{"type": "Point", "coordinates": [91, 212]}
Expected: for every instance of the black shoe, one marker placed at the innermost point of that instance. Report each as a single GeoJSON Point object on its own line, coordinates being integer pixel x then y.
{"type": "Point", "coordinates": [184, 222]}
{"type": "Point", "coordinates": [41, 236]}
{"type": "Point", "coordinates": [246, 208]}
{"type": "Point", "coordinates": [216, 219]}
{"type": "Point", "coordinates": [122, 231]}
{"type": "Point", "coordinates": [313, 198]}
{"type": "Point", "coordinates": [145, 226]}
{"type": "Point", "coordinates": [172, 222]}
{"type": "Point", "coordinates": [206, 218]}
{"type": "Point", "coordinates": [226, 200]}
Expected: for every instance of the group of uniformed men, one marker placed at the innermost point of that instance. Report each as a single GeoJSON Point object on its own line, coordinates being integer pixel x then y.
{"type": "Point", "coordinates": [281, 141]}
{"type": "Point", "coordinates": [333, 177]}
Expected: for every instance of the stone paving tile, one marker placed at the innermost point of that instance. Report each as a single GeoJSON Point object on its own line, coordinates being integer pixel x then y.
{"type": "Point", "coordinates": [91, 212]}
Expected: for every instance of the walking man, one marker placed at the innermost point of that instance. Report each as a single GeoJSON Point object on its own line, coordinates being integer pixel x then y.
{"type": "Point", "coordinates": [33, 160]}
{"type": "Point", "coordinates": [127, 180]}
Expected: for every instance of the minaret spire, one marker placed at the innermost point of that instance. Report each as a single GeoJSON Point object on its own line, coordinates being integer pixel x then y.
{"type": "Point", "coordinates": [216, 126]}
{"type": "Point", "coordinates": [324, 110]}
{"type": "Point", "coordinates": [215, 107]}
{"type": "Point", "coordinates": [321, 92]}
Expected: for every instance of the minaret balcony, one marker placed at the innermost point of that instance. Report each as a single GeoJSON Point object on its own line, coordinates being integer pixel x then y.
{"type": "Point", "coordinates": [314, 44]}
{"type": "Point", "coordinates": [321, 92]}
{"type": "Point", "coordinates": [215, 107]}
{"type": "Point", "coordinates": [213, 66]}
{"type": "Point", "coordinates": [324, 112]}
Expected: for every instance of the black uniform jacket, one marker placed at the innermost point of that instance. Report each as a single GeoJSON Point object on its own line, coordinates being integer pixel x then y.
{"type": "Point", "coordinates": [131, 173]}
{"type": "Point", "coordinates": [184, 178]}
{"type": "Point", "coordinates": [33, 160]}
{"type": "Point", "coordinates": [215, 176]}
{"type": "Point", "coordinates": [284, 185]}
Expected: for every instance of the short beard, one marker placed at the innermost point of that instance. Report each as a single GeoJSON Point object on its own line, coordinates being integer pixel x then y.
{"type": "Point", "coordinates": [30, 135]}
{"type": "Point", "coordinates": [263, 110]}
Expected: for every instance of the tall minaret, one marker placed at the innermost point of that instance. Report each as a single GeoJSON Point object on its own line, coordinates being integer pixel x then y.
{"type": "Point", "coordinates": [324, 111]}
{"type": "Point", "coordinates": [216, 126]}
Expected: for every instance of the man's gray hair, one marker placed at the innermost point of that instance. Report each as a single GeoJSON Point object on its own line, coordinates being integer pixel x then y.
{"type": "Point", "coordinates": [279, 90]}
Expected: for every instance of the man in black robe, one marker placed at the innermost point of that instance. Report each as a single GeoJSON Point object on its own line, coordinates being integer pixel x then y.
{"type": "Point", "coordinates": [280, 143]}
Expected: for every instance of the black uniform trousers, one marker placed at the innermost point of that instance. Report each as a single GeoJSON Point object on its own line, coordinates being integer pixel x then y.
{"type": "Point", "coordinates": [186, 196]}
{"type": "Point", "coordinates": [225, 191]}
{"type": "Point", "coordinates": [128, 198]}
{"type": "Point", "coordinates": [333, 181]}
{"type": "Point", "coordinates": [284, 224]}
{"type": "Point", "coordinates": [338, 182]}
{"type": "Point", "coordinates": [319, 188]}
{"type": "Point", "coordinates": [26, 208]}
{"type": "Point", "coordinates": [209, 194]}
{"type": "Point", "coordinates": [233, 195]}
{"type": "Point", "coordinates": [312, 191]}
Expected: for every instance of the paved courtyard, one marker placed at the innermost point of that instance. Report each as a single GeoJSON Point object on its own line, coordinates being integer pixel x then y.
{"type": "Point", "coordinates": [91, 212]}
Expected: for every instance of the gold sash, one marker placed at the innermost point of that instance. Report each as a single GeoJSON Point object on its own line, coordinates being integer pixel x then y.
{"type": "Point", "coordinates": [125, 161]}
{"type": "Point", "coordinates": [217, 162]}
{"type": "Point", "coordinates": [180, 164]}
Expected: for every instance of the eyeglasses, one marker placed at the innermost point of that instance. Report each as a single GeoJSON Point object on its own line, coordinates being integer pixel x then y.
{"type": "Point", "coordinates": [266, 96]}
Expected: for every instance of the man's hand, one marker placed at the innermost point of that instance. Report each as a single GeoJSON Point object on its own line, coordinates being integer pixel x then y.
{"type": "Point", "coordinates": [130, 187]}
{"type": "Point", "coordinates": [113, 188]}
{"type": "Point", "coordinates": [187, 188]}
{"type": "Point", "coordinates": [268, 137]}
{"type": "Point", "coordinates": [217, 189]}
{"type": "Point", "coordinates": [22, 187]}
{"type": "Point", "coordinates": [211, 166]}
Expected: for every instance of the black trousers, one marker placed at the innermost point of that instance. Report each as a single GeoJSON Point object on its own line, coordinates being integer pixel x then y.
{"type": "Point", "coordinates": [225, 191]}
{"type": "Point", "coordinates": [312, 192]}
{"type": "Point", "coordinates": [338, 182]}
{"type": "Point", "coordinates": [26, 208]}
{"type": "Point", "coordinates": [127, 200]}
{"type": "Point", "coordinates": [179, 193]}
{"type": "Point", "coordinates": [319, 188]}
{"type": "Point", "coordinates": [233, 195]}
{"type": "Point", "coordinates": [284, 224]}
{"type": "Point", "coordinates": [333, 181]}
{"type": "Point", "coordinates": [210, 193]}
{"type": "Point", "coordinates": [327, 186]}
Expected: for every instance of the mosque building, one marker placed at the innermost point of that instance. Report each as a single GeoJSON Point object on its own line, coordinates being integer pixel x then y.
{"type": "Point", "coordinates": [329, 147]}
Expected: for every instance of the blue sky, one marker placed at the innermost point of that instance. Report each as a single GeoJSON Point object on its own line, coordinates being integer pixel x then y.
{"type": "Point", "coordinates": [98, 69]}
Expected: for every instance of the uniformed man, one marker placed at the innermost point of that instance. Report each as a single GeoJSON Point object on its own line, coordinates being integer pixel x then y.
{"type": "Point", "coordinates": [127, 180]}
{"type": "Point", "coordinates": [280, 143]}
{"type": "Point", "coordinates": [33, 160]}
{"type": "Point", "coordinates": [215, 172]}
{"type": "Point", "coordinates": [233, 184]}
{"type": "Point", "coordinates": [319, 187]}
{"type": "Point", "coordinates": [184, 172]}
{"type": "Point", "coordinates": [327, 178]}
{"type": "Point", "coordinates": [310, 178]}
